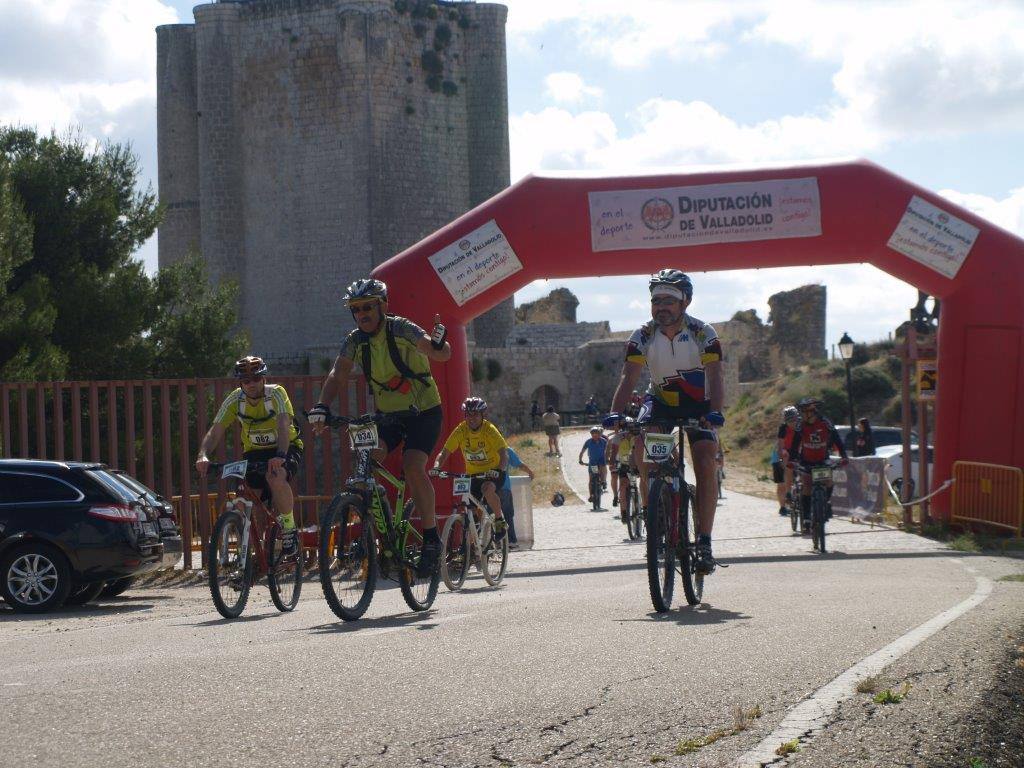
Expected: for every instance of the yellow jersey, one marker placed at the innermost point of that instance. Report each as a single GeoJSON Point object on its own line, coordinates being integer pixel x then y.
{"type": "Point", "coordinates": [259, 422]}
{"type": "Point", "coordinates": [481, 449]}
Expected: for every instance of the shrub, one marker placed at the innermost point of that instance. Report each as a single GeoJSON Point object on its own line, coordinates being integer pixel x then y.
{"type": "Point", "coordinates": [449, 88]}
{"type": "Point", "coordinates": [493, 369]}
{"type": "Point", "coordinates": [742, 441]}
{"type": "Point", "coordinates": [442, 36]}
{"type": "Point", "coordinates": [476, 370]}
{"type": "Point", "coordinates": [432, 62]}
{"type": "Point", "coordinates": [870, 384]}
{"type": "Point", "coordinates": [834, 404]}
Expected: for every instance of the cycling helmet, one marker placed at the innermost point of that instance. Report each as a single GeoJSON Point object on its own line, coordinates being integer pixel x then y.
{"type": "Point", "coordinates": [474, 405]}
{"type": "Point", "coordinates": [612, 420]}
{"type": "Point", "coordinates": [808, 402]}
{"type": "Point", "coordinates": [250, 366]}
{"type": "Point", "coordinates": [595, 428]}
{"type": "Point", "coordinates": [673, 278]}
{"type": "Point", "coordinates": [366, 288]}
{"type": "Point", "coordinates": [790, 413]}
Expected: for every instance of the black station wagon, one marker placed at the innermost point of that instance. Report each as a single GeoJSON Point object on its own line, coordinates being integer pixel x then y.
{"type": "Point", "coordinates": [66, 530]}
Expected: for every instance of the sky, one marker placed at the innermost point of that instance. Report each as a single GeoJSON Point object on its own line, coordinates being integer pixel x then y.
{"type": "Point", "coordinates": [933, 91]}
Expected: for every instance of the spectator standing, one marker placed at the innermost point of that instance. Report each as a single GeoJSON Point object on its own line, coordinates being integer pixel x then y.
{"type": "Point", "coordinates": [590, 409]}
{"type": "Point", "coordinates": [552, 427]}
{"type": "Point", "coordinates": [863, 440]}
{"type": "Point", "coordinates": [505, 496]}
{"type": "Point", "coordinates": [534, 413]}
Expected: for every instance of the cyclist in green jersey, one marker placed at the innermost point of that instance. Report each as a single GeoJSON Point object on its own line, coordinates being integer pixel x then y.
{"type": "Point", "coordinates": [265, 416]}
{"type": "Point", "coordinates": [395, 354]}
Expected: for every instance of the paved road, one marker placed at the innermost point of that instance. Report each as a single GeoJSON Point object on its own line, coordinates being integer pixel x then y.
{"type": "Point", "coordinates": [565, 664]}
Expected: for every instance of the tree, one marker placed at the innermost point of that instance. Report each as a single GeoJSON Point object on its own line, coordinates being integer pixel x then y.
{"type": "Point", "coordinates": [78, 304]}
{"type": "Point", "coordinates": [191, 336]}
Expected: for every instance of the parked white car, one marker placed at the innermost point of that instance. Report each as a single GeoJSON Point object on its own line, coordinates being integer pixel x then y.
{"type": "Point", "coordinates": [893, 455]}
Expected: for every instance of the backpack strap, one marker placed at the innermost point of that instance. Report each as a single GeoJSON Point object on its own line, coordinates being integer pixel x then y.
{"type": "Point", "coordinates": [404, 371]}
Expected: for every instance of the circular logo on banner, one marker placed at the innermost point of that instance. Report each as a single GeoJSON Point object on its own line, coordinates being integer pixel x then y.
{"type": "Point", "coordinates": [657, 213]}
{"type": "Point", "coordinates": [464, 245]}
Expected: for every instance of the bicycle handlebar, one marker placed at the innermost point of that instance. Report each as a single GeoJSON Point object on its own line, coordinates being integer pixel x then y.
{"type": "Point", "coordinates": [490, 474]}
{"type": "Point", "coordinates": [367, 418]}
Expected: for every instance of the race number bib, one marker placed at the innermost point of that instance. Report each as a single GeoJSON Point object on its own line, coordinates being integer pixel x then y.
{"type": "Point", "coordinates": [595, 469]}
{"type": "Point", "coordinates": [477, 457]}
{"type": "Point", "coordinates": [263, 438]}
{"type": "Point", "coordinates": [460, 486]}
{"type": "Point", "coordinates": [821, 474]}
{"type": "Point", "coordinates": [363, 436]}
{"type": "Point", "coordinates": [234, 469]}
{"type": "Point", "coordinates": [658, 445]}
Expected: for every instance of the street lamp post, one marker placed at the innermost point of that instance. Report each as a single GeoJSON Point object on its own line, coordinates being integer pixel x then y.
{"type": "Point", "coordinates": [846, 352]}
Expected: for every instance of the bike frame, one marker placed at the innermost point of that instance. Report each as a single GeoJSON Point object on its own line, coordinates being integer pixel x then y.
{"type": "Point", "coordinates": [365, 482]}
{"type": "Point", "coordinates": [253, 532]}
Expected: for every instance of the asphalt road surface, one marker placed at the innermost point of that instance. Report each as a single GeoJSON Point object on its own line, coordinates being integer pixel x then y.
{"type": "Point", "coordinates": [564, 664]}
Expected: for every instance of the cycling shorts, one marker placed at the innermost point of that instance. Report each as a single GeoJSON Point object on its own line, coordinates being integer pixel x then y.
{"type": "Point", "coordinates": [420, 431]}
{"type": "Point", "coordinates": [476, 485]}
{"type": "Point", "coordinates": [655, 410]}
{"type": "Point", "coordinates": [258, 480]}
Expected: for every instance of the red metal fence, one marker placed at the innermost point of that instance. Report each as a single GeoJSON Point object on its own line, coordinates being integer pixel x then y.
{"type": "Point", "coordinates": [152, 429]}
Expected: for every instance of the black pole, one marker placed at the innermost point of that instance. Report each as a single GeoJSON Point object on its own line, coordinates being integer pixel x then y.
{"type": "Point", "coordinates": [849, 395]}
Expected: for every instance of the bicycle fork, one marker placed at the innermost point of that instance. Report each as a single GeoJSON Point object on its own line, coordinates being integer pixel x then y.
{"type": "Point", "coordinates": [244, 508]}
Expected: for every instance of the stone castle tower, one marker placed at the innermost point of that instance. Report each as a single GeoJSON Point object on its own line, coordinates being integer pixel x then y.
{"type": "Point", "coordinates": [303, 142]}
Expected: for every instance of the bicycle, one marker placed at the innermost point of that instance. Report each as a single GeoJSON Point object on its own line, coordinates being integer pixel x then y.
{"type": "Point", "coordinates": [243, 548]}
{"type": "Point", "coordinates": [596, 487]}
{"type": "Point", "coordinates": [821, 476]}
{"type": "Point", "coordinates": [466, 540]}
{"type": "Point", "coordinates": [629, 504]}
{"type": "Point", "coordinates": [360, 537]}
{"type": "Point", "coordinates": [795, 493]}
{"type": "Point", "coordinates": [671, 535]}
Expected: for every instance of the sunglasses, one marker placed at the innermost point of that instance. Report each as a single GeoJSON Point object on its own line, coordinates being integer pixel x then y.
{"type": "Point", "coordinates": [361, 308]}
{"type": "Point", "coordinates": [251, 379]}
{"type": "Point", "coordinates": [663, 301]}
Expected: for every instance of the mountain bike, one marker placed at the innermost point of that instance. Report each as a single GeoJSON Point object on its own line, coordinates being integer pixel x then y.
{"type": "Point", "coordinates": [469, 536]}
{"type": "Point", "coordinates": [793, 502]}
{"type": "Point", "coordinates": [244, 546]}
{"type": "Point", "coordinates": [671, 519]}
{"type": "Point", "coordinates": [595, 487]}
{"type": "Point", "coordinates": [360, 538]}
{"type": "Point", "coordinates": [821, 478]}
{"type": "Point", "coordinates": [629, 504]}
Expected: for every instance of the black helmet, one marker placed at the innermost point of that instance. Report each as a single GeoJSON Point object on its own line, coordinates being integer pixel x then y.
{"type": "Point", "coordinates": [250, 366]}
{"type": "Point", "coordinates": [474, 405]}
{"type": "Point", "coordinates": [366, 288]}
{"type": "Point", "coordinates": [673, 278]}
{"type": "Point", "coordinates": [807, 402]}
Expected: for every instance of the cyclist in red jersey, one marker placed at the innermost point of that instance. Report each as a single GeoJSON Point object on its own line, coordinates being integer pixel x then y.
{"type": "Point", "coordinates": [812, 444]}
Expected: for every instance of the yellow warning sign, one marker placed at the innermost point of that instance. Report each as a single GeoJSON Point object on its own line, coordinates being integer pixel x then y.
{"type": "Point", "coordinates": [927, 379]}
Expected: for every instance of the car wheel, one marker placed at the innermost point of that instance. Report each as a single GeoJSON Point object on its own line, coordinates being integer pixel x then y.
{"type": "Point", "coordinates": [85, 593]}
{"type": "Point", "coordinates": [34, 578]}
{"type": "Point", "coordinates": [117, 586]}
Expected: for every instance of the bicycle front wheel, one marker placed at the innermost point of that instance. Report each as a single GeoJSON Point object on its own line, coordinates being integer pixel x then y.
{"type": "Point", "coordinates": [661, 549]}
{"type": "Point", "coordinates": [455, 552]}
{"type": "Point", "coordinates": [347, 557]}
{"type": "Point", "coordinates": [794, 514]}
{"type": "Point", "coordinates": [818, 519]}
{"type": "Point", "coordinates": [230, 577]}
{"type": "Point", "coordinates": [419, 591]}
{"type": "Point", "coordinates": [693, 582]}
{"type": "Point", "coordinates": [628, 511]}
{"type": "Point", "coordinates": [285, 575]}
{"type": "Point", "coordinates": [494, 560]}
{"type": "Point", "coordinates": [595, 491]}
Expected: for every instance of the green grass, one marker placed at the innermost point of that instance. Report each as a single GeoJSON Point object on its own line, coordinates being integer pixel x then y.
{"type": "Point", "coordinates": [965, 542]}
{"type": "Point", "coordinates": [977, 762]}
{"type": "Point", "coordinates": [867, 685]}
{"type": "Point", "coordinates": [692, 745]}
{"type": "Point", "coordinates": [889, 696]}
{"type": "Point", "coordinates": [788, 748]}
{"type": "Point", "coordinates": [1012, 577]}
{"type": "Point", "coordinates": [659, 759]}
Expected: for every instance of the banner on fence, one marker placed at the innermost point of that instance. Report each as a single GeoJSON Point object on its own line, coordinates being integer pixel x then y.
{"type": "Point", "coordinates": [858, 488]}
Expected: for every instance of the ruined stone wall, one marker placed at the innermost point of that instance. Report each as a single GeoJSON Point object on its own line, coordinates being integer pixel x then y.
{"type": "Point", "coordinates": [323, 142]}
{"type": "Point", "coordinates": [797, 326]}
{"type": "Point", "coordinates": [559, 306]}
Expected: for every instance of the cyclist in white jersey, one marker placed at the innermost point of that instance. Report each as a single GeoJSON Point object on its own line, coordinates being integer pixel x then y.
{"type": "Point", "coordinates": [684, 358]}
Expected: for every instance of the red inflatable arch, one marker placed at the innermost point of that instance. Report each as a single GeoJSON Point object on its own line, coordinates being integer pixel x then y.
{"type": "Point", "coordinates": [738, 219]}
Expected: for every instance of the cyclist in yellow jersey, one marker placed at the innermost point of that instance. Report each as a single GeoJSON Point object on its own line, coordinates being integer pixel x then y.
{"type": "Point", "coordinates": [483, 449]}
{"type": "Point", "coordinates": [395, 354]}
{"type": "Point", "coordinates": [265, 416]}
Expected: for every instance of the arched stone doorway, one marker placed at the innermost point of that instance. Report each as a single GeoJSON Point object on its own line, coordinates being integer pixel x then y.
{"type": "Point", "coordinates": [546, 395]}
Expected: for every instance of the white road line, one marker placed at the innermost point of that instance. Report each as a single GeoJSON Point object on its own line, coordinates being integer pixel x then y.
{"type": "Point", "coordinates": [809, 716]}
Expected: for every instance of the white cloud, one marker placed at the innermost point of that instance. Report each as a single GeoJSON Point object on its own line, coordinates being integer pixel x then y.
{"type": "Point", "coordinates": [82, 62]}
{"type": "Point", "coordinates": [1007, 213]}
{"type": "Point", "coordinates": [569, 88]}
{"type": "Point", "coordinates": [556, 139]}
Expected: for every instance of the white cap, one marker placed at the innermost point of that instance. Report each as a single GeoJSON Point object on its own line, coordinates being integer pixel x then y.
{"type": "Point", "coordinates": [666, 290]}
